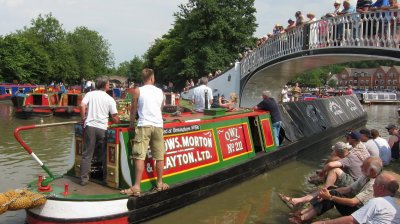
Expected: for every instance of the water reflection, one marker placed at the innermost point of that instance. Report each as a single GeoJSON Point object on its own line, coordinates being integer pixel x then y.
{"type": "Point", "coordinates": [255, 201]}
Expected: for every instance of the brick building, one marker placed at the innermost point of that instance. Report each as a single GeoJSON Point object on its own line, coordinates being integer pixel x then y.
{"type": "Point", "coordinates": [375, 79]}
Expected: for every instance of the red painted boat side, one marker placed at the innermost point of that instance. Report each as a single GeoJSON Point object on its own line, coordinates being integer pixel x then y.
{"type": "Point", "coordinates": [119, 220]}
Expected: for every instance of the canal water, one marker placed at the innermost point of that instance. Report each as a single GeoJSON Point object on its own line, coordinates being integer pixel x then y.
{"type": "Point", "coordinates": [254, 201]}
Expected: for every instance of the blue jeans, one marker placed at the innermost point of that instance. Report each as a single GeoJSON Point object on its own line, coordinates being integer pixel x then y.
{"type": "Point", "coordinates": [276, 127]}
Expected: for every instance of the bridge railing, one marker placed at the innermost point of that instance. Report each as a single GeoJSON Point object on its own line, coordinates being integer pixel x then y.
{"type": "Point", "coordinates": [376, 29]}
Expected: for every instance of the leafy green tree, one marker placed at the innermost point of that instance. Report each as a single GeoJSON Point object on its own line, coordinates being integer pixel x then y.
{"type": "Point", "coordinates": [207, 36]}
{"type": "Point", "coordinates": [135, 67]}
{"type": "Point", "coordinates": [47, 32]}
{"type": "Point", "coordinates": [22, 60]}
{"type": "Point", "coordinates": [91, 51]}
{"type": "Point", "coordinates": [332, 83]}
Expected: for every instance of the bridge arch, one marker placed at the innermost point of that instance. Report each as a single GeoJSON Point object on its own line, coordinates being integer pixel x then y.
{"type": "Point", "coordinates": [346, 38]}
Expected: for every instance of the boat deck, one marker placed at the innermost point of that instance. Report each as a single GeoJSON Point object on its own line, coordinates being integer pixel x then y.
{"type": "Point", "coordinates": [194, 116]}
{"type": "Point", "coordinates": [91, 190]}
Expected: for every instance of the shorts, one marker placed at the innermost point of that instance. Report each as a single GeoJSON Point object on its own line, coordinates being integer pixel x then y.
{"type": "Point", "coordinates": [148, 136]}
{"type": "Point", "coordinates": [344, 180]}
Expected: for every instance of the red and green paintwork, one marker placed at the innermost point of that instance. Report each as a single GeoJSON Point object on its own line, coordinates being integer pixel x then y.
{"type": "Point", "coordinates": [196, 145]}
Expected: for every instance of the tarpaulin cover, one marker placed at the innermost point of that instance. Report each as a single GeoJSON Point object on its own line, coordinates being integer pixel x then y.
{"type": "Point", "coordinates": [306, 118]}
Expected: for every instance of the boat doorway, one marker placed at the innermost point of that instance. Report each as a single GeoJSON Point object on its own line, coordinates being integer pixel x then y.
{"type": "Point", "coordinates": [256, 134]}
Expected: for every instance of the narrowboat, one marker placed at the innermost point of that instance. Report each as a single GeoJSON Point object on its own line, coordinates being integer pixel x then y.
{"type": "Point", "coordinates": [206, 153]}
{"type": "Point", "coordinates": [9, 90]}
{"type": "Point", "coordinates": [379, 97]}
{"type": "Point", "coordinates": [38, 103]}
{"type": "Point", "coordinates": [69, 103]}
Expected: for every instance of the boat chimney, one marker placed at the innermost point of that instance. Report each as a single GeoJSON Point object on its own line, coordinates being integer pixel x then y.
{"type": "Point", "coordinates": [206, 99]}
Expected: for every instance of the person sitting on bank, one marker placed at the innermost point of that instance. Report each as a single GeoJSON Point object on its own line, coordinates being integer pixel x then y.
{"type": "Point", "coordinates": [199, 96]}
{"type": "Point", "coordinates": [231, 104]}
{"type": "Point", "coordinates": [384, 150]}
{"type": "Point", "coordinates": [269, 104]}
{"type": "Point", "coordinates": [366, 139]}
{"type": "Point", "coordinates": [381, 209]}
{"type": "Point", "coordinates": [346, 199]}
{"type": "Point", "coordinates": [354, 139]}
{"type": "Point", "coordinates": [394, 140]}
{"type": "Point", "coordinates": [345, 170]}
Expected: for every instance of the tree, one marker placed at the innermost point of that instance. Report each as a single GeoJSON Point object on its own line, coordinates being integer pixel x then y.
{"type": "Point", "coordinates": [207, 35]}
{"type": "Point", "coordinates": [47, 33]}
{"type": "Point", "coordinates": [22, 60]}
{"type": "Point", "coordinates": [91, 51]}
{"type": "Point", "coordinates": [135, 68]}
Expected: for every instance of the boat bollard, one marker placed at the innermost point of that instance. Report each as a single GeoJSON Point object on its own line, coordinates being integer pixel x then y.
{"type": "Point", "coordinates": [46, 188]}
{"type": "Point", "coordinates": [40, 179]}
{"type": "Point", "coordinates": [66, 189]}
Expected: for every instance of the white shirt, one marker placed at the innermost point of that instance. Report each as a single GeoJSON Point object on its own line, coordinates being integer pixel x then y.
{"type": "Point", "coordinates": [384, 150]}
{"type": "Point", "coordinates": [284, 95]}
{"type": "Point", "coordinates": [381, 210]}
{"type": "Point", "coordinates": [99, 105]}
{"type": "Point", "coordinates": [198, 97]}
{"type": "Point", "coordinates": [88, 84]}
{"type": "Point", "coordinates": [149, 106]}
{"type": "Point", "coordinates": [372, 148]}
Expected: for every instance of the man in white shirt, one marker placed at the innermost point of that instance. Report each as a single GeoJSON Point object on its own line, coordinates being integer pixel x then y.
{"type": "Point", "coordinates": [95, 109]}
{"type": "Point", "coordinates": [199, 96]}
{"type": "Point", "coordinates": [382, 209]}
{"type": "Point", "coordinates": [147, 101]}
{"type": "Point", "coordinates": [384, 149]}
{"type": "Point", "coordinates": [369, 143]}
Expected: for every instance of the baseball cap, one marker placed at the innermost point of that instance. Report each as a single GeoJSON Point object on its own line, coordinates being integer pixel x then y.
{"type": "Point", "coordinates": [353, 135]}
{"type": "Point", "coordinates": [341, 146]}
{"type": "Point", "coordinates": [391, 126]}
{"type": "Point", "coordinates": [366, 132]}
{"type": "Point", "coordinates": [337, 2]}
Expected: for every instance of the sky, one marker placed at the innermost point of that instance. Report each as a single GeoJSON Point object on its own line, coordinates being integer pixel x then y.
{"type": "Point", "coordinates": [131, 26]}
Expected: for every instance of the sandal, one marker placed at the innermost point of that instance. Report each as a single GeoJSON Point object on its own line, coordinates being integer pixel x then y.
{"type": "Point", "coordinates": [287, 200]}
{"type": "Point", "coordinates": [163, 187]}
{"type": "Point", "coordinates": [131, 192]}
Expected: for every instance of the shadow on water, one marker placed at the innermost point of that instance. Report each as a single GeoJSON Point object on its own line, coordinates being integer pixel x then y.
{"type": "Point", "coordinates": [254, 201]}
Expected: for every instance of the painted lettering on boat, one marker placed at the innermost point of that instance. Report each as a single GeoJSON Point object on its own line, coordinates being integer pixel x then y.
{"type": "Point", "coordinates": [176, 130]}
{"type": "Point", "coordinates": [184, 152]}
{"type": "Point", "coordinates": [235, 140]}
{"type": "Point", "coordinates": [335, 108]}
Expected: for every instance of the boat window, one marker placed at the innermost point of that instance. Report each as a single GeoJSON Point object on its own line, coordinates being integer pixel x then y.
{"type": "Point", "coordinates": [72, 100]}
{"type": "Point", "coordinates": [37, 99]}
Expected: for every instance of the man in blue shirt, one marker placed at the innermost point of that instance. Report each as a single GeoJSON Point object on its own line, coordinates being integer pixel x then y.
{"type": "Point", "coordinates": [269, 104]}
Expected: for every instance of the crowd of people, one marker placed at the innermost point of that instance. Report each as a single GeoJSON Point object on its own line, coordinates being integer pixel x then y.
{"type": "Point", "coordinates": [340, 9]}
{"type": "Point", "coordinates": [354, 182]}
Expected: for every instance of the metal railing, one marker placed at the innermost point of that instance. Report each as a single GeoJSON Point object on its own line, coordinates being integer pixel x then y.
{"type": "Point", "coordinates": [375, 29]}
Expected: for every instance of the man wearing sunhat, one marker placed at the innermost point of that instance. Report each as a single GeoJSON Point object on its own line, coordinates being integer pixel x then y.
{"type": "Point", "coordinates": [336, 4]}
{"type": "Point", "coordinates": [394, 140]}
{"type": "Point", "coordinates": [344, 171]}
